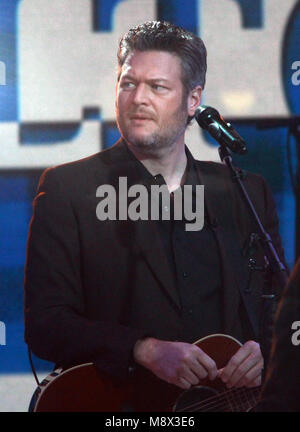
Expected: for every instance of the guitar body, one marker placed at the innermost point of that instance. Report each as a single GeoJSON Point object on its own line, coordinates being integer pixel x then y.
{"type": "Point", "coordinates": [83, 388]}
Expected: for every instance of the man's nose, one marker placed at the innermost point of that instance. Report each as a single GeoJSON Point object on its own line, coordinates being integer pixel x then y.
{"type": "Point", "coordinates": [141, 95]}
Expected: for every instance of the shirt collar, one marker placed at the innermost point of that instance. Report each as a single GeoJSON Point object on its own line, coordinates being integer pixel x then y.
{"type": "Point", "coordinates": [147, 178]}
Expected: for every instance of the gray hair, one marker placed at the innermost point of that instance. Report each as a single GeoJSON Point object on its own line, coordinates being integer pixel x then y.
{"type": "Point", "coordinates": [163, 36]}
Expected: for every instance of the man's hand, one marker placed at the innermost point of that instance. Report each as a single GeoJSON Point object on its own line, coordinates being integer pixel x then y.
{"type": "Point", "coordinates": [244, 368]}
{"type": "Point", "coordinates": [177, 363]}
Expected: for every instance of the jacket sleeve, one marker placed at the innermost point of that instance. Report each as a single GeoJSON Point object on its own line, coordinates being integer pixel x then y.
{"type": "Point", "coordinates": [56, 327]}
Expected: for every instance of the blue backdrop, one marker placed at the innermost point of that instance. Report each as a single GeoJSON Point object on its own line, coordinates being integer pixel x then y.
{"type": "Point", "coordinates": [268, 152]}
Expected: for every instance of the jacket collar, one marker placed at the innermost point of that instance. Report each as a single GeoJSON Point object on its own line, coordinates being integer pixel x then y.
{"type": "Point", "coordinates": [217, 193]}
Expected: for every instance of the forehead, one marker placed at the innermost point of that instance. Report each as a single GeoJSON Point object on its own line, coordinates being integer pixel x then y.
{"type": "Point", "coordinates": [152, 65]}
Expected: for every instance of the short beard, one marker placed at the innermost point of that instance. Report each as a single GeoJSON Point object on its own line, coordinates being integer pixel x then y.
{"type": "Point", "coordinates": [156, 144]}
{"type": "Point", "coordinates": [151, 146]}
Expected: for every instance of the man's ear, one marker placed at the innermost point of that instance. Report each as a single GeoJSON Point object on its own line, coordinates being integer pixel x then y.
{"type": "Point", "coordinates": [194, 100]}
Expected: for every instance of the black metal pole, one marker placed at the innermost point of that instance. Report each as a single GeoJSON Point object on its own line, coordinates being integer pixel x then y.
{"type": "Point", "coordinates": [273, 264]}
{"type": "Point", "coordinates": [276, 266]}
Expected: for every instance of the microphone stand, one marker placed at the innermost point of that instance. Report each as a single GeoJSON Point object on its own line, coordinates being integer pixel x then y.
{"type": "Point", "coordinates": [273, 266]}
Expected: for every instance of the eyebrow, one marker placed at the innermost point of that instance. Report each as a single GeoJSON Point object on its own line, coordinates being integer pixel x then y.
{"type": "Point", "coordinates": [160, 79]}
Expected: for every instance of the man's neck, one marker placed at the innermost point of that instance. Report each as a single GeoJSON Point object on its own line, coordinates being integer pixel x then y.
{"type": "Point", "coordinates": [171, 164]}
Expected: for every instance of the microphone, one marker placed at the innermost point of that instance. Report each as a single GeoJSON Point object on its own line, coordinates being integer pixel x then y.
{"type": "Point", "coordinates": [210, 119]}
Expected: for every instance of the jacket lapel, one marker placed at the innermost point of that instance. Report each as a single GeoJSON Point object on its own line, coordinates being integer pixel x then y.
{"type": "Point", "coordinates": [219, 202]}
{"type": "Point", "coordinates": [152, 248]}
{"type": "Point", "coordinates": [146, 235]}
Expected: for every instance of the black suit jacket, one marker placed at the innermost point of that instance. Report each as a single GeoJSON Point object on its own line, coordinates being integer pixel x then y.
{"type": "Point", "coordinates": [93, 288]}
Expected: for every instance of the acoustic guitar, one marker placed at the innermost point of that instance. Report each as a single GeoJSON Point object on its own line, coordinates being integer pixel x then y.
{"type": "Point", "coordinates": [84, 388]}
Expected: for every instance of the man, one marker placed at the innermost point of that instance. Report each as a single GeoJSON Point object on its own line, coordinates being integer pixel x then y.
{"type": "Point", "coordinates": [122, 292]}
{"type": "Point", "coordinates": [281, 390]}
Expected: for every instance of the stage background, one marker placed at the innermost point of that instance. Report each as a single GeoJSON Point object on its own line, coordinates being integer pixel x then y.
{"type": "Point", "coordinates": [57, 88]}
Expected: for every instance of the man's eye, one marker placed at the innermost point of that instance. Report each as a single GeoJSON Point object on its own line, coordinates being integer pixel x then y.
{"type": "Point", "coordinates": [158, 87]}
{"type": "Point", "coordinates": [127, 85]}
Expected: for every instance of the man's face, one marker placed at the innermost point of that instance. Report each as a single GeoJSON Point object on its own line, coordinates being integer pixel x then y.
{"type": "Point", "coordinates": [151, 105]}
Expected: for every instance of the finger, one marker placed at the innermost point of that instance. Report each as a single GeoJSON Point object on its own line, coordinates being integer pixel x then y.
{"type": "Point", "coordinates": [247, 370]}
{"type": "Point", "coordinates": [240, 356]}
{"type": "Point", "coordinates": [199, 370]}
{"type": "Point", "coordinates": [252, 379]}
{"type": "Point", "coordinates": [207, 363]}
{"type": "Point", "coordinates": [234, 363]}
{"type": "Point", "coordinates": [183, 383]}
{"type": "Point", "coordinates": [190, 368]}
{"type": "Point", "coordinates": [190, 376]}
{"type": "Point", "coordinates": [256, 382]}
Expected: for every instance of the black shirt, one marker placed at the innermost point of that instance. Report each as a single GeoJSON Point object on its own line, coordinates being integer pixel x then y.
{"type": "Point", "coordinates": [194, 258]}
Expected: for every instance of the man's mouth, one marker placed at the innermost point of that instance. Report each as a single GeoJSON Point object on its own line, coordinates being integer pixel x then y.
{"type": "Point", "coordinates": [140, 118]}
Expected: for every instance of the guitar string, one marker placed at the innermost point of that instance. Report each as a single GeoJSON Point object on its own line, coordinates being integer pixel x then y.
{"type": "Point", "coordinates": [230, 401]}
{"type": "Point", "coordinates": [211, 402]}
{"type": "Point", "coordinates": [238, 396]}
{"type": "Point", "coordinates": [242, 400]}
{"type": "Point", "coordinates": [250, 395]}
{"type": "Point", "coordinates": [237, 404]}
{"type": "Point", "coordinates": [221, 406]}
{"type": "Point", "coordinates": [229, 393]}
{"type": "Point", "coordinates": [226, 406]}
